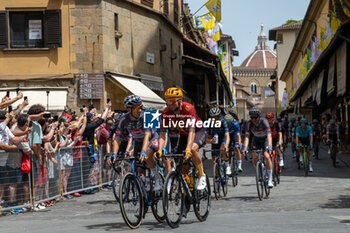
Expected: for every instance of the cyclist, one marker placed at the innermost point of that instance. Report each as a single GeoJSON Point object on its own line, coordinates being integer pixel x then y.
{"type": "Point", "coordinates": [145, 140]}
{"type": "Point", "coordinates": [276, 134]}
{"type": "Point", "coordinates": [332, 132]}
{"type": "Point", "coordinates": [285, 130]}
{"type": "Point", "coordinates": [219, 137]}
{"type": "Point", "coordinates": [261, 139]}
{"type": "Point", "coordinates": [304, 137]}
{"type": "Point", "coordinates": [235, 138]}
{"type": "Point", "coordinates": [176, 115]}
{"type": "Point", "coordinates": [317, 134]}
{"type": "Point", "coordinates": [292, 126]}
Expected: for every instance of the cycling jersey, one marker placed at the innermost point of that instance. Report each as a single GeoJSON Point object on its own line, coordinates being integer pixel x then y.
{"type": "Point", "coordinates": [234, 131]}
{"type": "Point", "coordinates": [125, 135]}
{"type": "Point", "coordinates": [303, 134]}
{"type": "Point", "coordinates": [275, 129]}
{"type": "Point", "coordinates": [332, 131]}
{"type": "Point", "coordinates": [261, 131]}
{"type": "Point", "coordinates": [136, 130]}
{"type": "Point", "coordinates": [285, 126]}
{"type": "Point", "coordinates": [219, 131]}
{"type": "Point", "coordinates": [316, 129]}
{"type": "Point", "coordinates": [188, 115]}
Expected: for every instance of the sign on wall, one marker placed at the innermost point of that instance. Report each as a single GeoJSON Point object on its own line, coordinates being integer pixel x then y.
{"type": "Point", "coordinates": [91, 86]}
{"type": "Point", "coordinates": [35, 30]}
{"type": "Point", "coordinates": [341, 69]}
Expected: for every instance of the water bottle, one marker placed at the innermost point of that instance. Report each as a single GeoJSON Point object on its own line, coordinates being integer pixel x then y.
{"type": "Point", "coordinates": [216, 136]}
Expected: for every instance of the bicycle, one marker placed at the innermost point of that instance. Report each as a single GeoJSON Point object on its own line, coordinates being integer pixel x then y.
{"type": "Point", "coordinates": [220, 179]}
{"type": "Point", "coordinates": [261, 176]}
{"type": "Point", "coordinates": [234, 166]}
{"type": "Point", "coordinates": [333, 148]}
{"type": "Point", "coordinates": [134, 193]}
{"type": "Point", "coordinates": [305, 160]}
{"type": "Point", "coordinates": [178, 196]}
{"type": "Point", "coordinates": [276, 169]}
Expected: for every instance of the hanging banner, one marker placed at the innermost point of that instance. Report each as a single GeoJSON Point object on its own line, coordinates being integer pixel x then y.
{"type": "Point", "coordinates": [319, 87]}
{"type": "Point", "coordinates": [284, 100]}
{"type": "Point", "coordinates": [341, 69]}
{"type": "Point", "coordinates": [331, 70]}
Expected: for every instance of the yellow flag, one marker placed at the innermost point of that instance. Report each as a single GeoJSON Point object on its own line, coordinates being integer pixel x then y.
{"type": "Point", "coordinates": [335, 24]}
{"type": "Point", "coordinates": [208, 21]}
{"type": "Point", "coordinates": [216, 37]}
{"type": "Point", "coordinates": [214, 6]}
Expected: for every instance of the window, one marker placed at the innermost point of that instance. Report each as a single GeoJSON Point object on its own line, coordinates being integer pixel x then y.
{"type": "Point", "coordinates": [176, 12]}
{"type": "Point", "coordinates": [116, 21]}
{"type": "Point", "coordinates": [147, 3]}
{"type": "Point", "coordinates": [30, 29]}
{"type": "Point", "coordinates": [166, 7]}
{"type": "Point", "coordinates": [253, 88]}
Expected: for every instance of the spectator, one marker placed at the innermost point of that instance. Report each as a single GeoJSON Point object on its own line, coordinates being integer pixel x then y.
{"type": "Point", "coordinates": [102, 135]}
{"type": "Point", "coordinates": [15, 160]}
{"type": "Point", "coordinates": [67, 112]}
{"type": "Point", "coordinates": [7, 101]}
{"type": "Point", "coordinates": [5, 138]}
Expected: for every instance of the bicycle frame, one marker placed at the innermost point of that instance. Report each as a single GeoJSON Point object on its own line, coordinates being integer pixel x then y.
{"type": "Point", "coordinates": [262, 161]}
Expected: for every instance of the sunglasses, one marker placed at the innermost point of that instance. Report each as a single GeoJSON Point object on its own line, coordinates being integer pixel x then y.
{"type": "Point", "coordinates": [171, 101]}
{"type": "Point", "coordinates": [254, 117]}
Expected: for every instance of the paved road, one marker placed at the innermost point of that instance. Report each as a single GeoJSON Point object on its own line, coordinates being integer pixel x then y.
{"type": "Point", "coordinates": [318, 203]}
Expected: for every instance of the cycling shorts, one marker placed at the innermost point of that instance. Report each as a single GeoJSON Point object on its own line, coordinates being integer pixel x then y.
{"type": "Point", "coordinates": [259, 143]}
{"type": "Point", "coordinates": [199, 139]}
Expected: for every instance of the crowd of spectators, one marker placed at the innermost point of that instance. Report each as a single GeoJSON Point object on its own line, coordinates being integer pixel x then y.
{"type": "Point", "coordinates": [39, 134]}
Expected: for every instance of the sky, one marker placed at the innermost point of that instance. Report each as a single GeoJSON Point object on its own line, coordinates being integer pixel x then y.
{"type": "Point", "coordinates": [242, 19]}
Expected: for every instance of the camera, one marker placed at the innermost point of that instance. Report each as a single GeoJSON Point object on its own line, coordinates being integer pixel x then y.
{"type": "Point", "coordinates": [47, 115]}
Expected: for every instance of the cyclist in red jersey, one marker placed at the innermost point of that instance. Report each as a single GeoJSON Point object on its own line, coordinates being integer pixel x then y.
{"type": "Point", "coordinates": [276, 134]}
{"type": "Point", "coordinates": [183, 117]}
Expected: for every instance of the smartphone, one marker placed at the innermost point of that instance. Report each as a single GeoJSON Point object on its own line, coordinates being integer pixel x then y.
{"type": "Point", "coordinates": [55, 118]}
{"type": "Point", "coordinates": [17, 90]}
{"type": "Point", "coordinates": [25, 97]}
{"type": "Point", "coordinates": [8, 93]}
{"type": "Point", "coordinates": [108, 100]}
{"type": "Point", "coordinates": [47, 115]}
{"type": "Point", "coordinates": [70, 131]}
{"type": "Point", "coordinates": [10, 108]}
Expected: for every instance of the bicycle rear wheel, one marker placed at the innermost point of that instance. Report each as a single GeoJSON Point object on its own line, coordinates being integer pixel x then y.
{"type": "Point", "coordinates": [224, 180]}
{"type": "Point", "coordinates": [173, 199]}
{"type": "Point", "coordinates": [157, 203]}
{"type": "Point", "coordinates": [234, 170]}
{"type": "Point", "coordinates": [216, 180]}
{"type": "Point", "coordinates": [203, 201]}
{"type": "Point", "coordinates": [131, 201]}
{"type": "Point", "coordinates": [259, 181]}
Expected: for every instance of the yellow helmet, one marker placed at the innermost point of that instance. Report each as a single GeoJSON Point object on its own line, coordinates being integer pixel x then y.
{"type": "Point", "coordinates": [173, 92]}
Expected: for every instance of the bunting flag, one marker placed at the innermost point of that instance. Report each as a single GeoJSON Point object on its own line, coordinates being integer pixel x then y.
{"type": "Point", "coordinates": [284, 100]}
{"type": "Point", "coordinates": [214, 6]}
{"type": "Point", "coordinates": [335, 24]}
{"type": "Point", "coordinates": [208, 21]}
{"type": "Point", "coordinates": [213, 46]}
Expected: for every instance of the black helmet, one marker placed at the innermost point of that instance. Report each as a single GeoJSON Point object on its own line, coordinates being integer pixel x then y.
{"type": "Point", "coordinates": [254, 111]}
{"type": "Point", "coordinates": [214, 112]}
{"type": "Point", "coordinates": [132, 101]}
{"type": "Point", "coordinates": [332, 122]}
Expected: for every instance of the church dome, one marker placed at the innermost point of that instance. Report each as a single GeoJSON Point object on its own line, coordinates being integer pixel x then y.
{"type": "Point", "coordinates": [262, 57]}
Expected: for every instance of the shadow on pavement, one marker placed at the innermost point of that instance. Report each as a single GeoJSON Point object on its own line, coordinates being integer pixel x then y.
{"type": "Point", "coordinates": [103, 202]}
{"type": "Point", "coordinates": [342, 202]}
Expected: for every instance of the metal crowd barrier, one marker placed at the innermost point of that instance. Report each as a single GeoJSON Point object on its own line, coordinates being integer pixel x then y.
{"type": "Point", "coordinates": [73, 171]}
{"type": "Point", "coordinates": [15, 186]}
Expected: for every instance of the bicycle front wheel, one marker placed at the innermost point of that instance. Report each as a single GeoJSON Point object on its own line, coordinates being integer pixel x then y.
{"type": "Point", "coordinates": [259, 181]}
{"type": "Point", "coordinates": [203, 202]}
{"type": "Point", "coordinates": [334, 156]}
{"type": "Point", "coordinates": [216, 180]}
{"type": "Point", "coordinates": [266, 178]}
{"type": "Point", "coordinates": [224, 181]}
{"type": "Point", "coordinates": [131, 201]}
{"type": "Point", "coordinates": [157, 204]}
{"type": "Point", "coordinates": [173, 199]}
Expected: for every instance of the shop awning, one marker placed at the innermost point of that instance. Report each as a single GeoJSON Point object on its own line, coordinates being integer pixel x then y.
{"type": "Point", "coordinates": [136, 87]}
{"type": "Point", "coordinates": [56, 100]}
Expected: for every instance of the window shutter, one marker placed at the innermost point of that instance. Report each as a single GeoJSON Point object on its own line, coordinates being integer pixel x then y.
{"type": "Point", "coordinates": [3, 30]}
{"type": "Point", "coordinates": [52, 29]}
{"type": "Point", "coordinates": [147, 3]}
{"type": "Point", "coordinates": [166, 7]}
{"type": "Point", "coordinates": [176, 12]}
